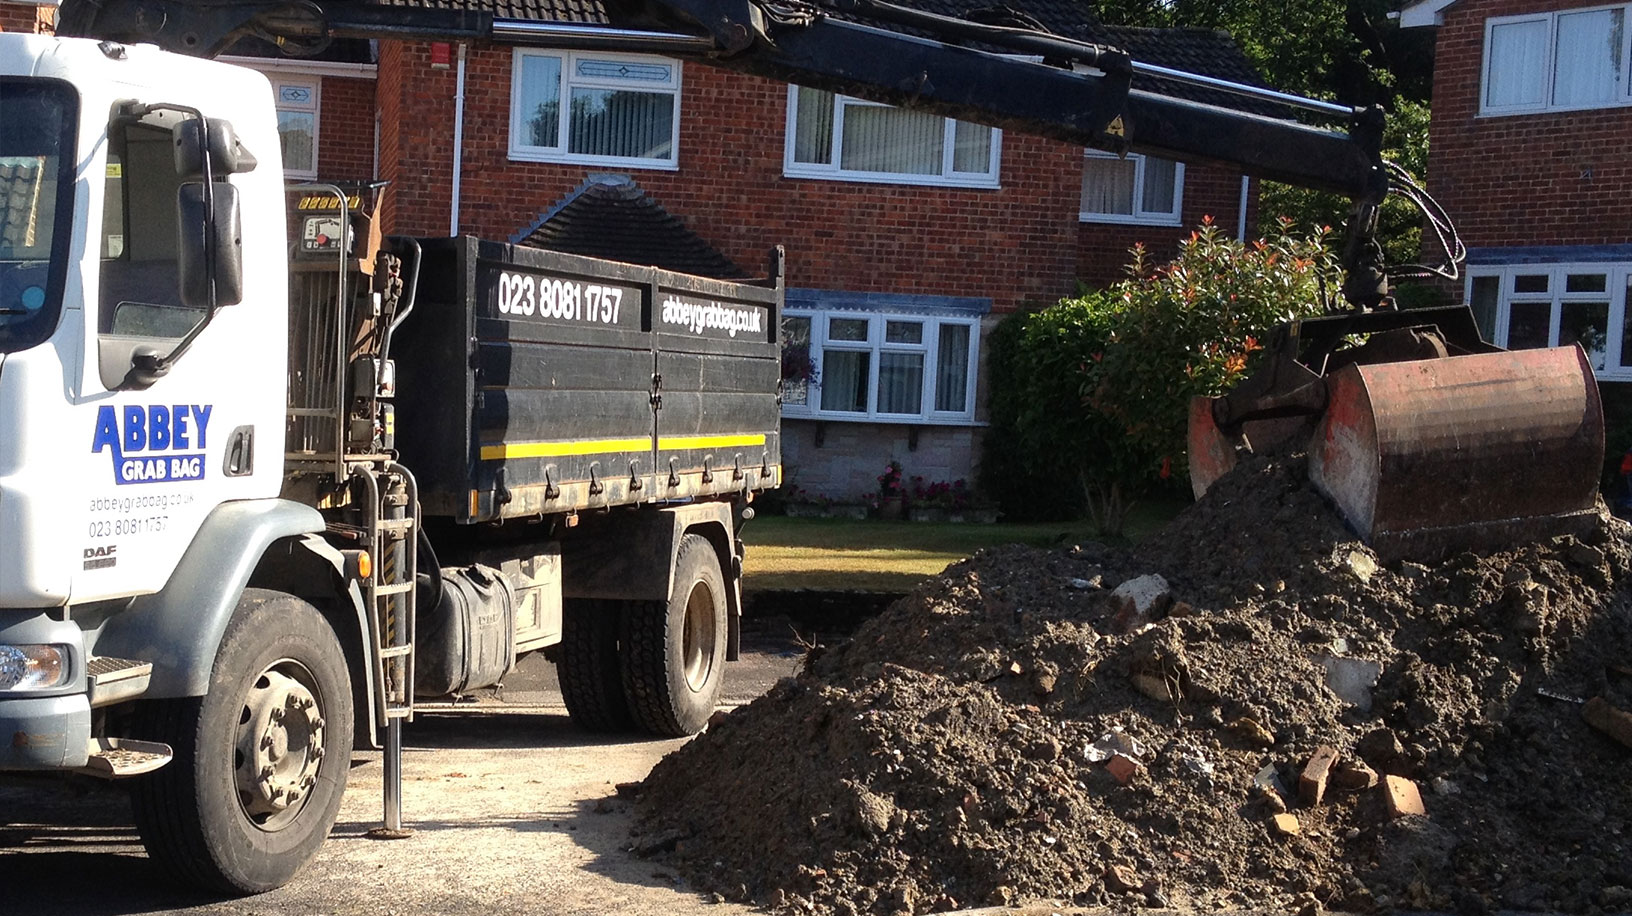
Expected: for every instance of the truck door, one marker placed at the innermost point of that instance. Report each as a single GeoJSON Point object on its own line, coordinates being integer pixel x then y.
{"type": "Point", "coordinates": [163, 452]}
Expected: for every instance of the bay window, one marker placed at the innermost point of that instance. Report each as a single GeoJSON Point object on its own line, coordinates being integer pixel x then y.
{"type": "Point", "coordinates": [596, 109]}
{"type": "Point", "coordinates": [879, 366]}
{"type": "Point", "coordinates": [1563, 61]}
{"type": "Point", "coordinates": [838, 137]}
{"type": "Point", "coordinates": [1551, 305]}
{"type": "Point", "coordinates": [1131, 189]}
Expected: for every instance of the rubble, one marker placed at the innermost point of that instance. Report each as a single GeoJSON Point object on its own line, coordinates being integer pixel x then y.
{"type": "Point", "coordinates": [1613, 722]}
{"type": "Point", "coordinates": [1401, 797]}
{"type": "Point", "coordinates": [922, 762]}
{"type": "Point", "coordinates": [1123, 768]}
{"type": "Point", "coordinates": [1312, 783]}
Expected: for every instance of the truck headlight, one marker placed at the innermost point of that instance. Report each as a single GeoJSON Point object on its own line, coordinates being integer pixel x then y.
{"type": "Point", "coordinates": [33, 667]}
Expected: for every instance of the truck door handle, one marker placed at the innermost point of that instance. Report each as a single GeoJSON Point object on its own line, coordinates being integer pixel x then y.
{"type": "Point", "coordinates": [240, 460]}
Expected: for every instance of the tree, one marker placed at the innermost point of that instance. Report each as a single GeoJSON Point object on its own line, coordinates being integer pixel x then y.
{"type": "Point", "coordinates": [1345, 50]}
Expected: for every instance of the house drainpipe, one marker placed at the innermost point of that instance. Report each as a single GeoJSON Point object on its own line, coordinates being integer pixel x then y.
{"type": "Point", "coordinates": [1240, 220]}
{"type": "Point", "coordinates": [459, 141]}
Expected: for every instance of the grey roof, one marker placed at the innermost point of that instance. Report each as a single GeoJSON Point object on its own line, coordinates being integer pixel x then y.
{"type": "Point", "coordinates": [583, 12]}
{"type": "Point", "coordinates": [610, 217]}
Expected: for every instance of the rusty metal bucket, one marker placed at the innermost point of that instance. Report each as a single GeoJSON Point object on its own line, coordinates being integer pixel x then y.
{"type": "Point", "coordinates": [1428, 457]}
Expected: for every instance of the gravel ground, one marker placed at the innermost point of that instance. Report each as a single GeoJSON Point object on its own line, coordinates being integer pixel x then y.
{"type": "Point", "coordinates": [515, 811]}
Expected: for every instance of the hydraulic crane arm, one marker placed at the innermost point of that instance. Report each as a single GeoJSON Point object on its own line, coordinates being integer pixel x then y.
{"type": "Point", "coordinates": [1018, 79]}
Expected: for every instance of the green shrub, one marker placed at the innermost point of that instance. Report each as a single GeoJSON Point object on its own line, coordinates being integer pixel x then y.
{"type": "Point", "coordinates": [1094, 392]}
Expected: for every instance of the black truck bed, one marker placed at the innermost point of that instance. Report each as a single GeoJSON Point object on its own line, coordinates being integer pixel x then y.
{"type": "Point", "coordinates": [531, 382]}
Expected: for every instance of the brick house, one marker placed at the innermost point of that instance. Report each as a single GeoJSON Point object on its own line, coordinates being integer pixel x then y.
{"type": "Point", "coordinates": [908, 235]}
{"type": "Point", "coordinates": [1532, 116]}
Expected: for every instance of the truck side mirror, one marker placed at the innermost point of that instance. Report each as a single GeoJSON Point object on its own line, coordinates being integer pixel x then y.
{"type": "Point", "coordinates": [227, 155]}
{"type": "Point", "coordinates": [209, 245]}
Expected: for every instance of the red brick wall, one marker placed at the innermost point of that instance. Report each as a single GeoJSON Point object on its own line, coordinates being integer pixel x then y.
{"type": "Point", "coordinates": [416, 140]}
{"type": "Point", "coordinates": [1102, 255]}
{"type": "Point", "coordinates": [1537, 179]}
{"type": "Point", "coordinates": [1021, 243]}
{"type": "Point", "coordinates": [20, 17]}
{"type": "Point", "coordinates": [345, 135]}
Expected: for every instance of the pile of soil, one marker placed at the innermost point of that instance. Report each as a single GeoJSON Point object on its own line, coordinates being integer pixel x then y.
{"type": "Point", "coordinates": [952, 753]}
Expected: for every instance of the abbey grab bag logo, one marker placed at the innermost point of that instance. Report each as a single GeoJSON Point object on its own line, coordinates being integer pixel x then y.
{"type": "Point", "coordinates": [153, 444]}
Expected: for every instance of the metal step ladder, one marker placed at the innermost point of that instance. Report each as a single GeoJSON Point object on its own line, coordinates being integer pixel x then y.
{"type": "Point", "coordinates": [391, 507]}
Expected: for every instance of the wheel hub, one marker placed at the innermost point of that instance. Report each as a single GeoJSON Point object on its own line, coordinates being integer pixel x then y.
{"type": "Point", "coordinates": [697, 638]}
{"type": "Point", "coordinates": [280, 745]}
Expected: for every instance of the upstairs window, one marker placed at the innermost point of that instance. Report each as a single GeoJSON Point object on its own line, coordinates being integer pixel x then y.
{"type": "Point", "coordinates": [297, 105]}
{"type": "Point", "coordinates": [597, 109]}
{"type": "Point", "coordinates": [1562, 61]}
{"type": "Point", "coordinates": [1131, 189]}
{"type": "Point", "coordinates": [837, 137]}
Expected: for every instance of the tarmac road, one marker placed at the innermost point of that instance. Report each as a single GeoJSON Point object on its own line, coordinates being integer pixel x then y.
{"type": "Point", "coordinates": [514, 811]}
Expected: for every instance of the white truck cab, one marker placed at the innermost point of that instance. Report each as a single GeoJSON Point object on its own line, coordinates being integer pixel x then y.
{"type": "Point", "coordinates": [107, 475]}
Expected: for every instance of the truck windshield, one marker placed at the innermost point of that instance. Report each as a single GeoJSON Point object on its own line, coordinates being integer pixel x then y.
{"type": "Point", "coordinates": [37, 119]}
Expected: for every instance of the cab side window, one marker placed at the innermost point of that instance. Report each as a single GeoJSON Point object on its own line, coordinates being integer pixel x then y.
{"type": "Point", "coordinates": [140, 283]}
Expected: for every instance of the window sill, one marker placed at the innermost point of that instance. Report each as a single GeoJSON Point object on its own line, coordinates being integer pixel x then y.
{"type": "Point", "coordinates": [1104, 219]}
{"type": "Point", "coordinates": [597, 161]}
{"type": "Point", "coordinates": [1553, 110]}
{"type": "Point", "coordinates": [885, 420]}
{"type": "Point", "coordinates": [917, 181]}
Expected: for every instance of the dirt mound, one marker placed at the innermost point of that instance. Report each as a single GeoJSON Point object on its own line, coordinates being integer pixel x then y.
{"type": "Point", "coordinates": [1063, 725]}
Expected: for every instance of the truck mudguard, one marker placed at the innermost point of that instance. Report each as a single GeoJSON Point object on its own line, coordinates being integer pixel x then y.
{"type": "Point", "coordinates": [352, 599]}
{"type": "Point", "coordinates": [612, 557]}
{"type": "Point", "coordinates": [179, 629]}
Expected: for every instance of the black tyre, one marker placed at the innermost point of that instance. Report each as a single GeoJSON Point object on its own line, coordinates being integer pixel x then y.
{"type": "Point", "coordinates": [587, 665]}
{"type": "Point", "coordinates": [674, 652]}
{"type": "Point", "coordinates": [261, 759]}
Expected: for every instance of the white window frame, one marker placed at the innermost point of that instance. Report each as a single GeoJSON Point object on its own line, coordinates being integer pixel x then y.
{"type": "Point", "coordinates": [526, 152]}
{"type": "Point", "coordinates": [833, 171]}
{"type": "Point", "coordinates": [1617, 275]}
{"type": "Point", "coordinates": [1140, 216]}
{"type": "Point", "coordinates": [315, 107]}
{"type": "Point", "coordinates": [1623, 93]}
{"type": "Point", "coordinates": [875, 345]}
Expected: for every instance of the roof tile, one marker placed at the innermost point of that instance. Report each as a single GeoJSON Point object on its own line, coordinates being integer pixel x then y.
{"type": "Point", "coordinates": [610, 217]}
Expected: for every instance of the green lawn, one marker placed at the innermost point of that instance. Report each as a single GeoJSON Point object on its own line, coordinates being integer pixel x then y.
{"type": "Point", "coordinates": [844, 554]}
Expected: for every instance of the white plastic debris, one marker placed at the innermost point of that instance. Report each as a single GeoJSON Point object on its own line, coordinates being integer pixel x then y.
{"type": "Point", "coordinates": [1194, 761]}
{"type": "Point", "coordinates": [1116, 741]}
{"type": "Point", "coordinates": [1352, 679]}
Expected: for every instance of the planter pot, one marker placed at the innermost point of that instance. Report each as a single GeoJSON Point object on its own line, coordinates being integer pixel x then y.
{"type": "Point", "coordinates": [892, 509]}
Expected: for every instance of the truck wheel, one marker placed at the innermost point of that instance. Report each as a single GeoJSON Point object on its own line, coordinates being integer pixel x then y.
{"type": "Point", "coordinates": [261, 759]}
{"type": "Point", "coordinates": [674, 651]}
{"type": "Point", "coordinates": [587, 666]}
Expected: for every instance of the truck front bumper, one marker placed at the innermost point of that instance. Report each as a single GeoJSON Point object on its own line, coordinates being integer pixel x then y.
{"type": "Point", "coordinates": [45, 729]}
{"type": "Point", "coordinates": [44, 733]}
